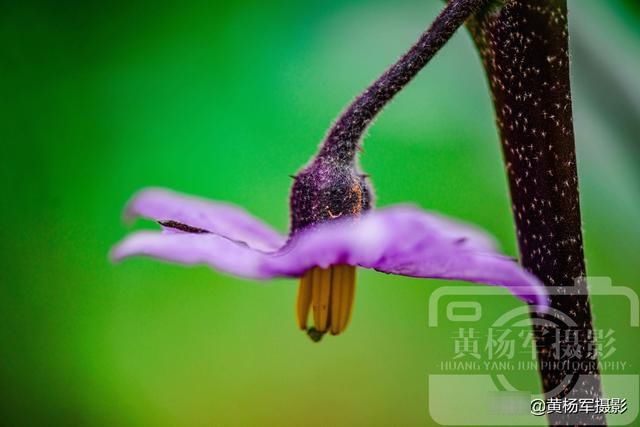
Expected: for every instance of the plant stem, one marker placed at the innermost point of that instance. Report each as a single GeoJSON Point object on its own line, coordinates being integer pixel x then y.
{"type": "Point", "coordinates": [342, 140]}
{"type": "Point", "coordinates": [524, 49]}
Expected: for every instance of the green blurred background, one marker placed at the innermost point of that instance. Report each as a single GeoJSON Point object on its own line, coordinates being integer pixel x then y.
{"type": "Point", "coordinates": [224, 100]}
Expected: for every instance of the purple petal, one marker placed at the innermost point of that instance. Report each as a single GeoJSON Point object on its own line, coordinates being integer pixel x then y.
{"type": "Point", "coordinates": [191, 249]}
{"type": "Point", "coordinates": [400, 240]}
{"type": "Point", "coordinates": [223, 219]}
{"type": "Point", "coordinates": [410, 242]}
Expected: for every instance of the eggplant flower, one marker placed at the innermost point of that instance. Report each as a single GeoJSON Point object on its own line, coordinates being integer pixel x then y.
{"type": "Point", "coordinates": [333, 229]}
{"type": "Point", "coordinates": [401, 240]}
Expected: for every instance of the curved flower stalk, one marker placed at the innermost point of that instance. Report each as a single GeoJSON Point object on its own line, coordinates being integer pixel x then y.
{"type": "Point", "coordinates": [333, 227]}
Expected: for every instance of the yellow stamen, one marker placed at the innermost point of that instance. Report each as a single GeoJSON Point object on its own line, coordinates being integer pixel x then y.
{"type": "Point", "coordinates": [336, 289]}
{"type": "Point", "coordinates": [348, 293]}
{"type": "Point", "coordinates": [304, 299]}
{"type": "Point", "coordinates": [322, 307]}
{"type": "Point", "coordinates": [330, 292]}
{"type": "Point", "coordinates": [315, 301]}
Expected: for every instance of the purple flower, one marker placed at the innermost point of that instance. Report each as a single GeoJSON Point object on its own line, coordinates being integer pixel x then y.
{"type": "Point", "coordinates": [401, 240]}
{"type": "Point", "coordinates": [333, 229]}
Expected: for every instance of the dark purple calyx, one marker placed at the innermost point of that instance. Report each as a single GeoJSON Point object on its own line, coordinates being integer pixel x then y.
{"type": "Point", "coordinates": [326, 190]}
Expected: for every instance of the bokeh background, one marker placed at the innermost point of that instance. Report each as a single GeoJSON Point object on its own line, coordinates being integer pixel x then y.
{"type": "Point", "coordinates": [224, 100]}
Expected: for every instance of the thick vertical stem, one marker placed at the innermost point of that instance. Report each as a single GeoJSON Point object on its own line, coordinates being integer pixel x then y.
{"type": "Point", "coordinates": [524, 48]}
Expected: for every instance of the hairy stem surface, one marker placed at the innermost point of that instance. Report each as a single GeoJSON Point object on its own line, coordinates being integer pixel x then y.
{"type": "Point", "coordinates": [524, 49]}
